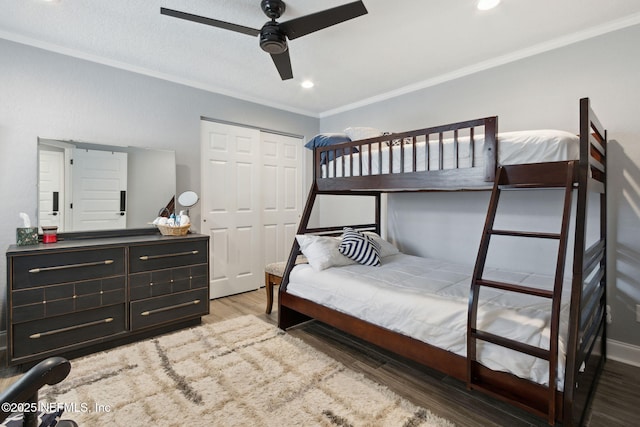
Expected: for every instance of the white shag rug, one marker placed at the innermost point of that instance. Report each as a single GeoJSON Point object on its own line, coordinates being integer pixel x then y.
{"type": "Point", "coordinates": [240, 372]}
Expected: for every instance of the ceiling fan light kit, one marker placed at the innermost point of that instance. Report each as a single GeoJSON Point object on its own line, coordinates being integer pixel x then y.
{"type": "Point", "coordinates": [274, 35]}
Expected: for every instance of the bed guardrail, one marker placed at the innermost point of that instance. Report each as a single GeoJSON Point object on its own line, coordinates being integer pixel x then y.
{"type": "Point", "coordinates": [454, 156]}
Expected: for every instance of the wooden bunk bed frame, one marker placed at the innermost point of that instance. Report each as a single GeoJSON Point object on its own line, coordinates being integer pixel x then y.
{"type": "Point", "coordinates": [586, 350]}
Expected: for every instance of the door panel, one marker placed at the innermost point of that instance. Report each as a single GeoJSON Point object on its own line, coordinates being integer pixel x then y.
{"type": "Point", "coordinates": [281, 194]}
{"type": "Point", "coordinates": [230, 200]}
{"type": "Point", "coordinates": [51, 192]}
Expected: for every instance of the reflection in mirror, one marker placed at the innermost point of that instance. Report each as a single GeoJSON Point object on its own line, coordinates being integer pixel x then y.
{"type": "Point", "coordinates": [83, 186]}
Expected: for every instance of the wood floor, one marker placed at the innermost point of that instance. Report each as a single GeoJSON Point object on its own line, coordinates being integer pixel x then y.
{"type": "Point", "coordinates": [615, 403]}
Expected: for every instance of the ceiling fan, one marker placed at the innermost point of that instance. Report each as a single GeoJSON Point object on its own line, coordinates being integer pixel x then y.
{"type": "Point", "coordinates": [274, 35]}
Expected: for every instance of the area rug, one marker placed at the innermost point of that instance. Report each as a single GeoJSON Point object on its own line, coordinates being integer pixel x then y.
{"type": "Point", "coordinates": [240, 372]}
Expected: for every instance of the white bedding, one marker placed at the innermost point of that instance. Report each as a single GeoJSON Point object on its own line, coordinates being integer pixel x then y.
{"type": "Point", "coordinates": [513, 148]}
{"type": "Point", "coordinates": [428, 299]}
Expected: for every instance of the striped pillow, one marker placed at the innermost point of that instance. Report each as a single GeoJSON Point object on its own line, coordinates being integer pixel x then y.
{"type": "Point", "coordinates": [360, 248]}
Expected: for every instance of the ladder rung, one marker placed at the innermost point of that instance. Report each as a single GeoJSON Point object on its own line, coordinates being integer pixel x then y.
{"type": "Point", "coordinates": [515, 288]}
{"type": "Point", "coordinates": [509, 343]}
{"type": "Point", "coordinates": [526, 234]}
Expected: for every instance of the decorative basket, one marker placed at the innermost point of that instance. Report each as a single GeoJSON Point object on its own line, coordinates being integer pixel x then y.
{"type": "Point", "coordinates": [166, 230]}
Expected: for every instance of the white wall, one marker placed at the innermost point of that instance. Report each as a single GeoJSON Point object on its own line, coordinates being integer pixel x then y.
{"type": "Point", "coordinates": [44, 94]}
{"type": "Point", "coordinates": [533, 93]}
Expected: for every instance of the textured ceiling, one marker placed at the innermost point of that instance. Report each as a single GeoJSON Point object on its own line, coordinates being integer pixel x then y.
{"type": "Point", "coordinates": [397, 46]}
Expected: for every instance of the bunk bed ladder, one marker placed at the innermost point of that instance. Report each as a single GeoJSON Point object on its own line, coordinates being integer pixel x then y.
{"type": "Point", "coordinates": [528, 176]}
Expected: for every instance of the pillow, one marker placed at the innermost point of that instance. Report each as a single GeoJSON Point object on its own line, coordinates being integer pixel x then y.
{"type": "Point", "coordinates": [322, 251]}
{"type": "Point", "coordinates": [360, 248]}
{"type": "Point", "coordinates": [386, 248]}
{"type": "Point", "coordinates": [329, 139]}
{"type": "Point", "coordinates": [358, 133]}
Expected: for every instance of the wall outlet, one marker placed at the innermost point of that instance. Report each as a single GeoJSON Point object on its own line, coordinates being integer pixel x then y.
{"type": "Point", "coordinates": [637, 312]}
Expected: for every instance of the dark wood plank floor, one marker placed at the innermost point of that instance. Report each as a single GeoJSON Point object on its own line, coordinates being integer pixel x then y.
{"type": "Point", "coordinates": [615, 403]}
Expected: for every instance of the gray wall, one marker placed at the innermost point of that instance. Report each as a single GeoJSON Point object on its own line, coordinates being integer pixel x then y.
{"type": "Point", "coordinates": [44, 94]}
{"type": "Point", "coordinates": [534, 93]}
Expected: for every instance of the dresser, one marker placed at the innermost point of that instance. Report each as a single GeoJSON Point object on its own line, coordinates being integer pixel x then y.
{"type": "Point", "coordinates": [81, 294]}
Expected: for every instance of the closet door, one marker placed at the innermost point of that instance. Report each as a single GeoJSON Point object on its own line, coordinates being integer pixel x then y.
{"type": "Point", "coordinates": [281, 194]}
{"type": "Point", "coordinates": [231, 207]}
{"type": "Point", "coordinates": [251, 202]}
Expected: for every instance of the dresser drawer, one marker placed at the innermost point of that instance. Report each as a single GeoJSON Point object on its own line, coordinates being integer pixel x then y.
{"type": "Point", "coordinates": [66, 266]}
{"type": "Point", "coordinates": [161, 282]}
{"type": "Point", "coordinates": [40, 336]}
{"type": "Point", "coordinates": [49, 301]}
{"type": "Point", "coordinates": [167, 255]}
{"type": "Point", "coordinates": [169, 308]}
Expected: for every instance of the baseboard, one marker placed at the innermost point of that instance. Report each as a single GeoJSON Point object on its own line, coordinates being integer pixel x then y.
{"type": "Point", "coordinates": [623, 352]}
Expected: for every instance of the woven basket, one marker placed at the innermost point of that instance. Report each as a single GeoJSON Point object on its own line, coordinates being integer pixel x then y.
{"type": "Point", "coordinates": [181, 230]}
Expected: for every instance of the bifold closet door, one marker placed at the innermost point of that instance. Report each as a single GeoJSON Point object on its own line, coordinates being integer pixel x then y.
{"type": "Point", "coordinates": [231, 206]}
{"type": "Point", "coordinates": [281, 194]}
{"type": "Point", "coordinates": [251, 202]}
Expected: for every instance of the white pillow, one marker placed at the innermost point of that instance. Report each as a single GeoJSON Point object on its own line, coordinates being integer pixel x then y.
{"type": "Point", "coordinates": [359, 247]}
{"type": "Point", "coordinates": [358, 133]}
{"type": "Point", "coordinates": [386, 248]}
{"type": "Point", "coordinates": [322, 251]}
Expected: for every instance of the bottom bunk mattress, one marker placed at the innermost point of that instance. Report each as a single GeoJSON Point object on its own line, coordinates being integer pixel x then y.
{"type": "Point", "coordinates": [427, 299]}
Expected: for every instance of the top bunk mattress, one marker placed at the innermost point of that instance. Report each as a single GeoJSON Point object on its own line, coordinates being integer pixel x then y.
{"type": "Point", "coordinates": [427, 299]}
{"type": "Point", "coordinates": [535, 146]}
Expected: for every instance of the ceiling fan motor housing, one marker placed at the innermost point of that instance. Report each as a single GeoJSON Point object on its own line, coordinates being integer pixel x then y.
{"type": "Point", "coordinates": [271, 39]}
{"type": "Point", "coordinates": [273, 8]}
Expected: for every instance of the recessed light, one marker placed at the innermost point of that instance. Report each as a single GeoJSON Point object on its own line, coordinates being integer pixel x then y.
{"type": "Point", "coordinates": [307, 84]}
{"type": "Point", "coordinates": [487, 4]}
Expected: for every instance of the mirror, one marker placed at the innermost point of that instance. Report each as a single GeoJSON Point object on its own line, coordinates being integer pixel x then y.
{"type": "Point", "coordinates": [92, 187]}
{"type": "Point", "coordinates": [188, 199]}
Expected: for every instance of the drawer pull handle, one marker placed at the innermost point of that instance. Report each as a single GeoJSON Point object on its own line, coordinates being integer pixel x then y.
{"type": "Point", "coordinates": [148, 257]}
{"type": "Point", "coordinates": [70, 328]}
{"type": "Point", "coordinates": [171, 307]}
{"type": "Point", "coordinates": [64, 267]}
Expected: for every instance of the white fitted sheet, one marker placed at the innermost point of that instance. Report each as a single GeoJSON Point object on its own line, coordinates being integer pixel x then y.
{"type": "Point", "coordinates": [427, 299]}
{"type": "Point", "coordinates": [520, 147]}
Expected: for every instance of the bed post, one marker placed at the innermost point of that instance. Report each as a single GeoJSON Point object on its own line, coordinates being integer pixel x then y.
{"type": "Point", "coordinates": [586, 298]}
{"type": "Point", "coordinates": [491, 148]}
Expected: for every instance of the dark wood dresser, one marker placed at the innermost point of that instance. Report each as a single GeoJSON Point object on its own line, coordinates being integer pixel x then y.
{"type": "Point", "coordinates": [78, 294]}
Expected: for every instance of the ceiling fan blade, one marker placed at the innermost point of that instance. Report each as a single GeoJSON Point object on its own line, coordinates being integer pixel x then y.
{"type": "Point", "coordinates": [317, 21]}
{"type": "Point", "coordinates": [210, 21]}
{"type": "Point", "coordinates": [283, 64]}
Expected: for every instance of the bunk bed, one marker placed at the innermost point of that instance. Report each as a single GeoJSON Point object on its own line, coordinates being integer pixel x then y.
{"type": "Point", "coordinates": [467, 156]}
